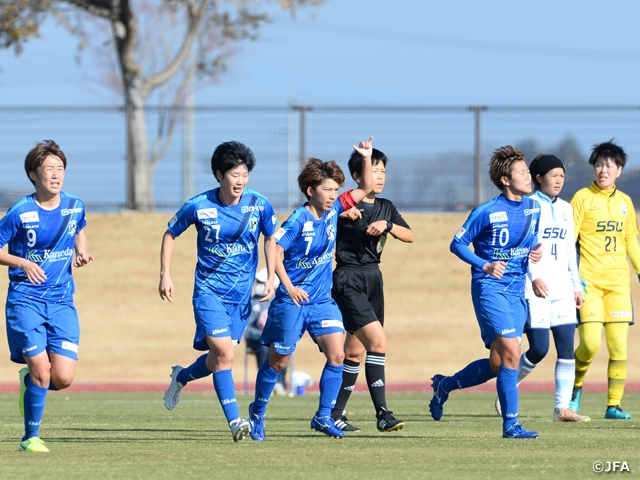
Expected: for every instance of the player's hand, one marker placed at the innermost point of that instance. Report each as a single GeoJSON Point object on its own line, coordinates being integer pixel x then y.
{"type": "Point", "coordinates": [34, 273]}
{"type": "Point", "coordinates": [352, 214]}
{"type": "Point", "coordinates": [269, 291]}
{"type": "Point", "coordinates": [365, 148]}
{"type": "Point", "coordinates": [376, 229]}
{"type": "Point", "coordinates": [82, 259]}
{"type": "Point", "coordinates": [535, 254]}
{"type": "Point", "coordinates": [166, 288]}
{"type": "Point", "coordinates": [297, 295]}
{"type": "Point", "coordinates": [495, 269]}
{"type": "Point", "coordinates": [578, 297]}
{"type": "Point", "coordinates": [540, 288]}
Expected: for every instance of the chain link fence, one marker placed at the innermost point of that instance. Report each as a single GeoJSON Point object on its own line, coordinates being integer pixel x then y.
{"type": "Point", "coordinates": [438, 156]}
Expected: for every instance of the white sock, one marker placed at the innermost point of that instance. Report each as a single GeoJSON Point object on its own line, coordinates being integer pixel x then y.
{"type": "Point", "coordinates": [565, 374]}
{"type": "Point", "coordinates": [525, 368]}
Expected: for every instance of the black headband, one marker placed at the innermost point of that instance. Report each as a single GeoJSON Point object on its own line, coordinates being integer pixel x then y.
{"type": "Point", "coordinates": [544, 164]}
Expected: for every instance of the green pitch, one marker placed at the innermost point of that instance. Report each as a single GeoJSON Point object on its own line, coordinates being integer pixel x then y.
{"type": "Point", "coordinates": [128, 436]}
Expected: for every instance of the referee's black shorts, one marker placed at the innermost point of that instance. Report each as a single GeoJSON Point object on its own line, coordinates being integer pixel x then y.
{"type": "Point", "coordinates": [359, 294]}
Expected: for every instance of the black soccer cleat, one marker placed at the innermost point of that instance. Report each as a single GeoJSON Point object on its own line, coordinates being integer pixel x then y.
{"type": "Point", "coordinates": [387, 422]}
{"type": "Point", "coordinates": [343, 424]}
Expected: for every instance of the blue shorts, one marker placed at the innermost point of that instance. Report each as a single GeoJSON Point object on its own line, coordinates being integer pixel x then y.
{"type": "Point", "coordinates": [500, 314]}
{"type": "Point", "coordinates": [287, 323]}
{"type": "Point", "coordinates": [215, 318]}
{"type": "Point", "coordinates": [34, 326]}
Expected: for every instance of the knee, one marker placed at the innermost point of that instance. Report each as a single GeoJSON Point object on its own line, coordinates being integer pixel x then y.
{"type": "Point", "coordinates": [588, 347]}
{"type": "Point", "coordinates": [537, 352]}
{"type": "Point", "coordinates": [61, 381]}
{"type": "Point", "coordinates": [335, 358]}
{"type": "Point", "coordinates": [220, 360]}
{"type": "Point", "coordinates": [40, 377]}
{"type": "Point", "coordinates": [279, 364]}
{"type": "Point", "coordinates": [510, 357]}
{"type": "Point", "coordinates": [355, 357]}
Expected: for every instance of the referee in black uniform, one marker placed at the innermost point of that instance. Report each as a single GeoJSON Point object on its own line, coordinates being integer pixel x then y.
{"type": "Point", "coordinates": [358, 291]}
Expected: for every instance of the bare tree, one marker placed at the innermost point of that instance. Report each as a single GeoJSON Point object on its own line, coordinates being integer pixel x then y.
{"type": "Point", "coordinates": [210, 30]}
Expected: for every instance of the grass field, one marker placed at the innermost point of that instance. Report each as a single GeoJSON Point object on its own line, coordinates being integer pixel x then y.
{"type": "Point", "coordinates": [130, 335]}
{"type": "Point", "coordinates": [129, 436]}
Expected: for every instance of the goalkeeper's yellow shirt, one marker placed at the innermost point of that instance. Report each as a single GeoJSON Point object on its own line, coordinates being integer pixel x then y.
{"type": "Point", "coordinates": [607, 232]}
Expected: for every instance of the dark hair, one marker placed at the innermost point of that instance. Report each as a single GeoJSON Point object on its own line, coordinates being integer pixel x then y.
{"type": "Point", "coordinates": [229, 155]}
{"type": "Point", "coordinates": [543, 164]}
{"type": "Point", "coordinates": [608, 150]}
{"type": "Point", "coordinates": [501, 163]}
{"type": "Point", "coordinates": [315, 171]}
{"type": "Point", "coordinates": [355, 161]}
{"type": "Point", "coordinates": [39, 153]}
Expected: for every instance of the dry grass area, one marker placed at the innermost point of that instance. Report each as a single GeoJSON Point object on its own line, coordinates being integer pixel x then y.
{"type": "Point", "coordinates": [129, 334]}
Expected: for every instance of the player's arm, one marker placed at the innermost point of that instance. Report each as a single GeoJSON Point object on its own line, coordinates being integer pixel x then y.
{"type": "Point", "coordinates": [296, 294]}
{"type": "Point", "coordinates": [464, 253]}
{"type": "Point", "coordinates": [32, 270]}
{"type": "Point", "coordinates": [395, 225]}
{"type": "Point", "coordinates": [270, 254]}
{"type": "Point", "coordinates": [166, 288]}
{"type": "Point", "coordinates": [397, 231]}
{"type": "Point", "coordinates": [631, 239]}
{"type": "Point", "coordinates": [578, 215]}
{"type": "Point", "coordinates": [572, 261]}
{"type": "Point", "coordinates": [80, 245]}
{"type": "Point", "coordinates": [366, 184]}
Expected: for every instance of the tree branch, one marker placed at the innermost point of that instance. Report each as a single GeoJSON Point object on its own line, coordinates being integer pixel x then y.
{"type": "Point", "coordinates": [100, 8]}
{"type": "Point", "coordinates": [196, 14]}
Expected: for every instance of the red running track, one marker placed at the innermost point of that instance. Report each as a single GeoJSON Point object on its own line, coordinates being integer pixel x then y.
{"type": "Point", "coordinates": [406, 387]}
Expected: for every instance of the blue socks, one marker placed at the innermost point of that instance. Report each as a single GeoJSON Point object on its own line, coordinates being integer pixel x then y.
{"type": "Point", "coordinates": [508, 393]}
{"type": "Point", "coordinates": [265, 381]}
{"type": "Point", "coordinates": [196, 370]}
{"type": "Point", "coordinates": [226, 391]}
{"type": "Point", "coordinates": [34, 402]}
{"type": "Point", "coordinates": [476, 373]}
{"type": "Point", "coordinates": [330, 383]}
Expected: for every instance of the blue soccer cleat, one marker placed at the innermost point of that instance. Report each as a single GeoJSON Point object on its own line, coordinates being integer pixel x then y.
{"type": "Point", "coordinates": [439, 397]}
{"type": "Point", "coordinates": [574, 404]}
{"type": "Point", "coordinates": [615, 413]}
{"type": "Point", "coordinates": [517, 431]}
{"type": "Point", "coordinates": [256, 423]}
{"type": "Point", "coordinates": [327, 426]}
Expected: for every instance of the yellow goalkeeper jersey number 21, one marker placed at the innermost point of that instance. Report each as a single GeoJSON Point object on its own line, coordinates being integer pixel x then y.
{"type": "Point", "coordinates": [607, 232]}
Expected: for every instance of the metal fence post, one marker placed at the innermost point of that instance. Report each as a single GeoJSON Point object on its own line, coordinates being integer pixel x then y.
{"type": "Point", "coordinates": [130, 192]}
{"type": "Point", "coordinates": [477, 154]}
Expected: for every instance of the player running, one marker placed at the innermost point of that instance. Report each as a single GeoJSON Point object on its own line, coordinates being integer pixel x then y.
{"type": "Point", "coordinates": [229, 220]}
{"type": "Point", "coordinates": [303, 301]}
{"type": "Point", "coordinates": [358, 291]}
{"type": "Point", "coordinates": [607, 233]}
{"type": "Point", "coordinates": [504, 235]}
{"type": "Point", "coordinates": [43, 231]}
{"type": "Point", "coordinates": [553, 288]}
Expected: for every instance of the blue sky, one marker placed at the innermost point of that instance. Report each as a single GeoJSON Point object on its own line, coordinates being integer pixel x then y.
{"type": "Point", "coordinates": [406, 52]}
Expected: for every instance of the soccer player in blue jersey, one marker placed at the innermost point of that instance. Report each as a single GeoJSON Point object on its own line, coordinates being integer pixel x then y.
{"type": "Point", "coordinates": [229, 220]}
{"type": "Point", "coordinates": [303, 301]}
{"type": "Point", "coordinates": [43, 231]}
{"type": "Point", "coordinates": [504, 234]}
